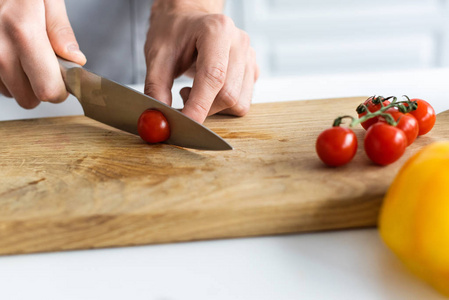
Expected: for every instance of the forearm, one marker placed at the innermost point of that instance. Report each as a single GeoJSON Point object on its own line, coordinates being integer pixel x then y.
{"type": "Point", "coordinates": [208, 6]}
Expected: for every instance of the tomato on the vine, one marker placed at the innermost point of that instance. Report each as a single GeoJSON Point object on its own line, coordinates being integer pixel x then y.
{"type": "Point", "coordinates": [394, 112]}
{"type": "Point", "coordinates": [153, 127]}
{"type": "Point", "coordinates": [336, 146]}
{"type": "Point", "coordinates": [406, 122]}
{"type": "Point", "coordinates": [425, 115]}
{"type": "Point", "coordinates": [373, 104]}
{"type": "Point", "coordinates": [384, 143]}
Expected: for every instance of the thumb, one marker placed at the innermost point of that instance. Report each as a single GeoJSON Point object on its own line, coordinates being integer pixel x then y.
{"type": "Point", "coordinates": [60, 32]}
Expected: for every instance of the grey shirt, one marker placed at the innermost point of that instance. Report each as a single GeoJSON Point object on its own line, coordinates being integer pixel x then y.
{"type": "Point", "coordinates": [111, 34]}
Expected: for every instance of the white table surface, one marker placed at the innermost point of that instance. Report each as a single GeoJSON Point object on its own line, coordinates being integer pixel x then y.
{"type": "Point", "coordinates": [348, 264]}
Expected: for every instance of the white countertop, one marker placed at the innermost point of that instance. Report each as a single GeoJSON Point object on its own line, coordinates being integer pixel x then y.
{"type": "Point", "coordinates": [348, 264]}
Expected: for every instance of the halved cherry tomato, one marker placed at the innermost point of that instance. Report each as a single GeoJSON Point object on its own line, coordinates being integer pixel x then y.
{"type": "Point", "coordinates": [373, 104]}
{"type": "Point", "coordinates": [153, 126]}
{"type": "Point", "coordinates": [336, 146]}
{"type": "Point", "coordinates": [384, 143]}
{"type": "Point", "coordinates": [407, 123]}
{"type": "Point", "coordinates": [425, 115]}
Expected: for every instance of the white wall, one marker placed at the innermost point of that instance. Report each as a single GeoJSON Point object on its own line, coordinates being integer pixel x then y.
{"type": "Point", "coordinates": [303, 37]}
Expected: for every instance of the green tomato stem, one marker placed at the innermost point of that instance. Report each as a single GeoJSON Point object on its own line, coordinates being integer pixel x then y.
{"type": "Point", "coordinates": [411, 105]}
{"type": "Point", "coordinates": [339, 120]}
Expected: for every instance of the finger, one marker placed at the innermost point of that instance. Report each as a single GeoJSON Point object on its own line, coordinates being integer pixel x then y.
{"type": "Point", "coordinates": [238, 58]}
{"type": "Point", "coordinates": [243, 105]}
{"type": "Point", "coordinates": [60, 32]}
{"type": "Point", "coordinates": [18, 85]}
{"type": "Point", "coordinates": [4, 90]}
{"type": "Point", "coordinates": [212, 65]}
{"type": "Point", "coordinates": [42, 69]}
{"type": "Point", "coordinates": [39, 62]}
{"type": "Point", "coordinates": [160, 74]}
{"type": "Point", "coordinates": [256, 73]}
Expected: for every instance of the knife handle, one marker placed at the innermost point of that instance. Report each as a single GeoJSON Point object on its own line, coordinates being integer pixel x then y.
{"type": "Point", "coordinates": [72, 81]}
{"type": "Point", "coordinates": [65, 64]}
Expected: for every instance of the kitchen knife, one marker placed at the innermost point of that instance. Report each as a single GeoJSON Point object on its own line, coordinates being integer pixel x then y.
{"type": "Point", "coordinates": [119, 106]}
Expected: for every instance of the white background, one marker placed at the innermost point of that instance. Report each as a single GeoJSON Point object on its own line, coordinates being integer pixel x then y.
{"type": "Point", "coordinates": [304, 37]}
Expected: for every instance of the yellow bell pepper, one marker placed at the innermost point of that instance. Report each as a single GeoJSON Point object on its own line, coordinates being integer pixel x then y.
{"type": "Point", "coordinates": [414, 219]}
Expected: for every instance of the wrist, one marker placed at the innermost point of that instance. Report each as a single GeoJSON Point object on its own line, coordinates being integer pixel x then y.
{"type": "Point", "coordinates": [170, 6]}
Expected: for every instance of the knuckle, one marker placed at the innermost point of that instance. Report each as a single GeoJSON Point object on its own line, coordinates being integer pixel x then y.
{"type": "Point", "coordinates": [20, 34]}
{"type": "Point", "coordinates": [253, 61]}
{"type": "Point", "coordinates": [256, 73]}
{"type": "Point", "coordinates": [244, 39]}
{"type": "Point", "coordinates": [20, 26]}
{"type": "Point", "coordinates": [241, 109]}
{"type": "Point", "coordinates": [215, 76]}
{"type": "Point", "coordinates": [252, 53]}
{"type": "Point", "coordinates": [150, 88]}
{"type": "Point", "coordinates": [219, 22]}
{"type": "Point", "coordinates": [200, 109]}
{"type": "Point", "coordinates": [66, 31]}
{"type": "Point", "coordinates": [9, 19]}
{"type": "Point", "coordinates": [149, 49]}
{"type": "Point", "coordinates": [49, 93]}
{"type": "Point", "coordinates": [229, 98]}
{"type": "Point", "coordinates": [224, 21]}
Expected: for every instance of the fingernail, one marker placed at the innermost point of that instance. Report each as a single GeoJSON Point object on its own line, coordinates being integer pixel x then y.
{"type": "Point", "coordinates": [74, 49]}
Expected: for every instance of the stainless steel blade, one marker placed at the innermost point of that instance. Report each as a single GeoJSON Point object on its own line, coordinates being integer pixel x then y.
{"type": "Point", "coordinates": [119, 106]}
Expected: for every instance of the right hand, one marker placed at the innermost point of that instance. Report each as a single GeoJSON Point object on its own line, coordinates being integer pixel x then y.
{"type": "Point", "coordinates": [32, 34]}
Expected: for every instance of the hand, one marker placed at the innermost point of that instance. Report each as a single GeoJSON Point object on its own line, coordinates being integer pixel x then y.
{"type": "Point", "coordinates": [189, 39]}
{"type": "Point", "coordinates": [31, 32]}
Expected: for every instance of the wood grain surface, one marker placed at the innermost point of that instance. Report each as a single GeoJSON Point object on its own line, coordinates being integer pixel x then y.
{"type": "Point", "coordinates": [73, 183]}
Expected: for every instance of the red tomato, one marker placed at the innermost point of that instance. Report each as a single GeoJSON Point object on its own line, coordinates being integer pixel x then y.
{"type": "Point", "coordinates": [368, 122]}
{"type": "Point", "coordinates": [336, 146]}
{"type": "Point", "coordinates": [407, 123]}
{"type": "Point", "coordinates": [425, 115]}
{"type": "Point", "coordinates": [373, 104]}
{"type": "Point", "coordinates": [394, 112]}
{"type": "Point", "coordinates": [384, 144]}
{"type": "Point", "coordinates": [153, 126]}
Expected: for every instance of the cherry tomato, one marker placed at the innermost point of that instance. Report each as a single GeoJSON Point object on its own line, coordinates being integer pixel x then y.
{"type": "Point", "coordinates": [384, 144]}
{"type": "Point", "coordinates": [153, 126]}
{"type": "Point", "coordinates": [336, 146]}
{"type": "Point", "coordinates": [394, 112]}
{"type": "Point", "coordinates": [425, 115]}
{"type": "Point", "coordinates": [373, 104]}
{"type": "Point", "coordinates": [407, 123]}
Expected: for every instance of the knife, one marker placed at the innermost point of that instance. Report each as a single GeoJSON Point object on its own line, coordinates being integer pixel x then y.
{"type": "Point", "coordinates": [118, 106]}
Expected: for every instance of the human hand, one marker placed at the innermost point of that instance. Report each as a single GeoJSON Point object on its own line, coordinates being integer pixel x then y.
{"type": "Point", "coordinates": [32, 33]}
{"type": "Point", "coordinates": [192, 39]}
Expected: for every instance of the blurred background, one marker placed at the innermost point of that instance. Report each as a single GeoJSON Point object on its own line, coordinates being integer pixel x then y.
{"type": "Point", "coordinates": [309, 37]}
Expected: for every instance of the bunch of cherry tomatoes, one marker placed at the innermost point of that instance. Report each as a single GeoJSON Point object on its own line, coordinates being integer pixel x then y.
{"type": "Point", "coordinates": [390, 126]}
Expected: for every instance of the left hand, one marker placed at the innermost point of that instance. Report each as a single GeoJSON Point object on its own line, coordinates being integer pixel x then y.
{"type": "Point", "coordinates": [188, 39]}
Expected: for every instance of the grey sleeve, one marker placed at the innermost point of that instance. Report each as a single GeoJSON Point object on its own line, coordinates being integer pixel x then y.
{"type": "Point", "coordinates": [112, 33]}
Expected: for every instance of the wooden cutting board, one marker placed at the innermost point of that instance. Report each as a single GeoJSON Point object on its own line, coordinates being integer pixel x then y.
{"type": "Point", "coordinates": [73, 183]}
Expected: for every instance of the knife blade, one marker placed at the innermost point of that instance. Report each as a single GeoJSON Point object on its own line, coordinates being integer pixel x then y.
{"type": "Point", "coordinates": [119, 106]}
